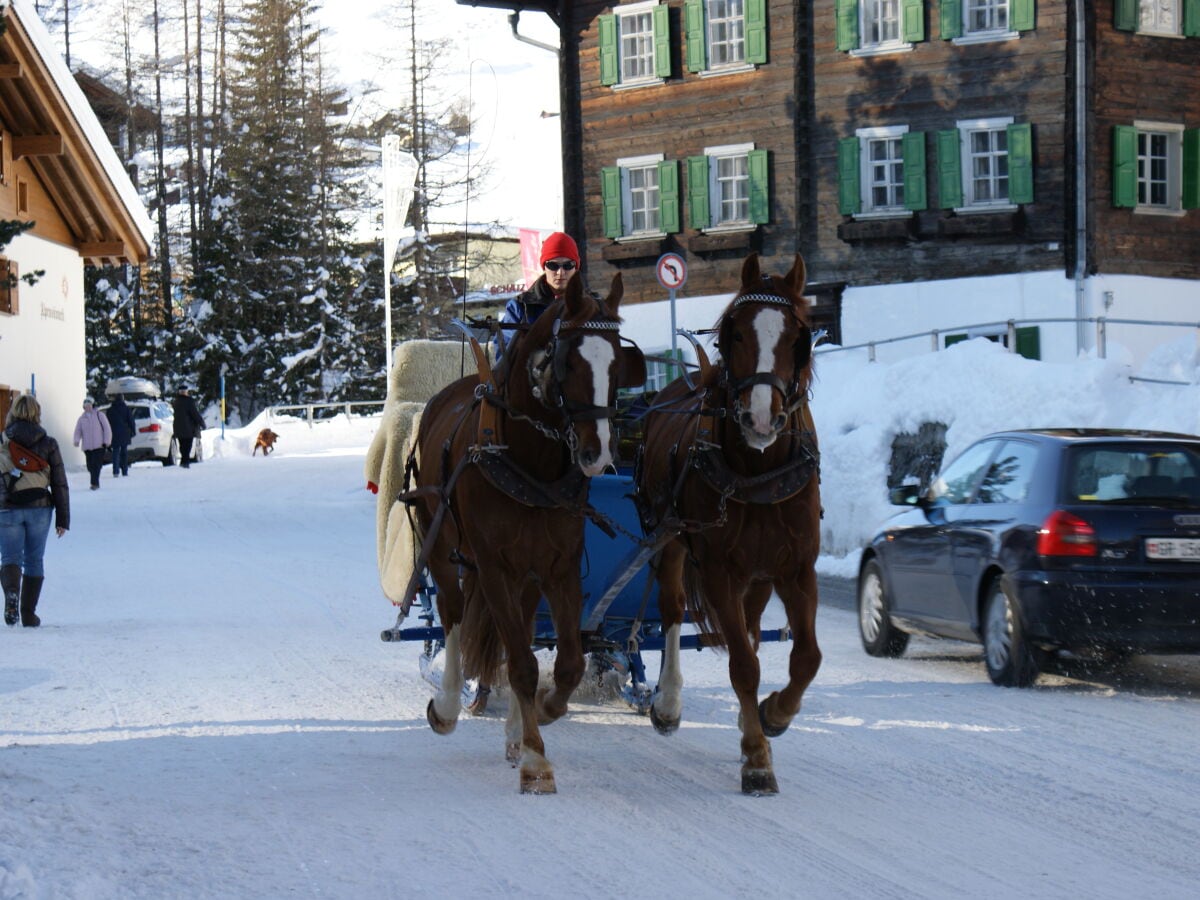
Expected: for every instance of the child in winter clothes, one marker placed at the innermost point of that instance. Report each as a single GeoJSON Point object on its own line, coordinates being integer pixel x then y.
{"type": "Point", "coordinates": [95, 434]}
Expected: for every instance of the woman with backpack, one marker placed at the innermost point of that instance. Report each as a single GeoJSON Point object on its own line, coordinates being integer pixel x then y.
{"type": "Point", "coordinates": [33, 484]}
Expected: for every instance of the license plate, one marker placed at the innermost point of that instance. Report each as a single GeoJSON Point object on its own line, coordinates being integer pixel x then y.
{"type": "Point", "coordinates": [1173, 548]}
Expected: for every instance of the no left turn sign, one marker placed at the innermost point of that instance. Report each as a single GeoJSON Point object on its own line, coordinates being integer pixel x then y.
{"type": "Point", "coordinates": [671, 271]}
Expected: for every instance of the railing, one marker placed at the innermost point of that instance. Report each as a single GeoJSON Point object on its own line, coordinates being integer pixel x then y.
{"type": "Point", "coordinates": [310, 409]}
{"type": "Point", "coordinates": [1010, 326]}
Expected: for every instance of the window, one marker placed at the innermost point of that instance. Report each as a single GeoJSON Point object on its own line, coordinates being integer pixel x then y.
{"type": "Point", "coordinates": [1027, 340]}
{"type": "Point", "coordinates": [728, 188]}
{"type": "Point", "coordinates": [641, 197]}
{"type": "Point", "coordinates": [1162, 17]}
{"type": "Point", "coordinates": [1008, 477]}
{"type": "Point", "coordinates": [659, 374]}
{"type": "Point", "coordinates": [8, 287]}
{"type": "Point", "coordinates": [985, 164]}
{"type": "Point", "coordinates": [958, 481]}
{"type": "Point", "coordinates": [635, 45]}
{"type": "Point", "coordinates": [881, 172]}
{"type": "Point", "coordinates": [725, 35]}
{"type": "Point", "coordinates": [1156, 167]}
{"type": "Point", "coordinates": [971, 21]}
{"type": "Point", "coordinates": [865, 27]}
{"type": "Point", "coordinates": [22, 197]}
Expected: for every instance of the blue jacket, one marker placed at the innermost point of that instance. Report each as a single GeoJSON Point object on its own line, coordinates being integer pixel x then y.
{"type": "Point", "coordinates": [120, 420]}
{"type": "Point", "coordinates": [522, 310]}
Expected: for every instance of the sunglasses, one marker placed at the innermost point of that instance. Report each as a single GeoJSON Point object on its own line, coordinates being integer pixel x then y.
{"type": "Point", "coordinates": [567, 266]}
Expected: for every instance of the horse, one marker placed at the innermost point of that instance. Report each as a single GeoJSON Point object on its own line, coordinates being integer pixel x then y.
{"type": "Point", "coordinates": [728, 476]}
{"type": "Point", "coordinates": [506, 461]}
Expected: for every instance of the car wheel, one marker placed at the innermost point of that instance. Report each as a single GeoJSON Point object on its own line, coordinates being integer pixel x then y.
{"type": "Point", "coordinates": [1010, 660]}
{"type": "Point", "coordinates": [879, 636]}
{"type": "Point", "coordinates": [172, 456]}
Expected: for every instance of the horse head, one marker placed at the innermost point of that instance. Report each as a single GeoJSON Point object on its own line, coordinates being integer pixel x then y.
{"type": "Point", "coordinates": [576, 366]}
{"type": "Point", "coordinates": [765, 342]}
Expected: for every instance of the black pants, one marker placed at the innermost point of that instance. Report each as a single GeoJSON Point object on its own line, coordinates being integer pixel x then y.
{"type": "Point", "coordinates": [95, 462]}
{"type": "Point", "coordinates": [185, 449]}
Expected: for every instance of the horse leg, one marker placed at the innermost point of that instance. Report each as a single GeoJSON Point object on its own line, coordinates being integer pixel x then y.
{"type": "Point", "coordinates": [799, 598]}
{"type": "Point", "coordinates": [513, 730]}
{"type": "Point", "coordinates": [666, 707]}
{"type": "Point", "coordinates": [758, 775]}
{"type": "Point", "coordinates": [442, 712]}
{"type": "Point", "coordinates": [566, 608]}
{"type": "Point", "coordinates": [537, 775]}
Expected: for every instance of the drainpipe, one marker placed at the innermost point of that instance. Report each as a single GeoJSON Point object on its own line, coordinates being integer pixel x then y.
{"type": "Point", "coordinates": [514, 19]}
{"type": "Point", "coordinates": [1081, 183]}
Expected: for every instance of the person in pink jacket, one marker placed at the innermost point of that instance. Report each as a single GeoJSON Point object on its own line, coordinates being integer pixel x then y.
{"type": "Point", "coordinates": [94, 434]}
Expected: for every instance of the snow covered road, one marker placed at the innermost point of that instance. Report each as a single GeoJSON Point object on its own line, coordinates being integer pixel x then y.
{"type": "Point", "coordinates": [208, 712]}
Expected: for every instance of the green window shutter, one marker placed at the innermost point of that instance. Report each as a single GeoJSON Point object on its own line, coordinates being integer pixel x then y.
{"type": "Point", "coordinates": [847, 24]}
{"type": "Point", "coordinates": [662, 41]}
{"type": "Point", "coordinates": [609, 71]}
{"type": "Point", "coordinates": [1020, 163]}
{"type": "Point", "coordinates": [952, 19]}
{"type": "Point", "coordinates": [913, 21]}
{"type": "Point", "coordinates": [849, 193]}
{"type": "Point", "coordinates": [1191, 18]}
{"type": "Point", "coordinates": [1029, 342]}
{"type": "Point", "coordinates": [949, 166]}
{"type": "Point", "coordinates": [668, 196]}
{"type": "Point", "coordinates": [1022, 15]}
{"type": "Point", "coordinates": [951, 339]}
{"type": "Point", "coordinates": [756, 31]}
{"type": "Point", "coordinates": [698, 209]}
{"type": "Point", "coordinates": [1125, 15]}
{"type": "Point", "coordinates": [693, 27]}
{"type": "Point", "coordinates": [1191, 169]}
{"type": "Point", "coordinates": [760, 187]}
{"type": "Point", "coordinates": [610, 193]}
{"type": "Point", "coordinates": [1124, 166]}
{"type": "Point", "coordinates": [912, 147]}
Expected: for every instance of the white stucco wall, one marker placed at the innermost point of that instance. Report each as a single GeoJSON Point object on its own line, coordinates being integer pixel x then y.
{"type": "Point", "coordinates": [42, 347]}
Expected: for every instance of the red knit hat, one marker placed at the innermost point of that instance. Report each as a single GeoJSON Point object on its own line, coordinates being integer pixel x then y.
{"type": "Point", "coordinates": [559, 246]}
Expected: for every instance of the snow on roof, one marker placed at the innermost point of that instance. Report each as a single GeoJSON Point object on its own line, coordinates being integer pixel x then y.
{"type": "Point", "coordinates": [77, 104]}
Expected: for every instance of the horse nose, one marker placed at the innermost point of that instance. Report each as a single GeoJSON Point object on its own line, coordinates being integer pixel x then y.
{"type": "Point", "coordinates": [587, 458]}
{"type": "Point", "coordinates": [778, 422]}
{"type": "Point", "coordinates": [746, 421]}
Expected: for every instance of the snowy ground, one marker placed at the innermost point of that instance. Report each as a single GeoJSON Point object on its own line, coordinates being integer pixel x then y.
{"type": "Point", "coordinates": [207, 711]}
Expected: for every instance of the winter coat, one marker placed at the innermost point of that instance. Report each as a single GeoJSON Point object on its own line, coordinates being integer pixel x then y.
{"type": "Point", "coordinates": [188, 421]}
{"type": "Point", "coordinates": [120, 421]}
{"type": "Point", "coordinates": [34, 437]}
{"type": "Point", "coordinates": [523, 309]}
{"type": "Point", "coordinates": [92, 430]}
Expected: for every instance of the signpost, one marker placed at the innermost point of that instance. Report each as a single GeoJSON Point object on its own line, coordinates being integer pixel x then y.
{"type": "Point", "coordinates": [399, 174]}
{"type": "Point", "coordinates": [672, 273]}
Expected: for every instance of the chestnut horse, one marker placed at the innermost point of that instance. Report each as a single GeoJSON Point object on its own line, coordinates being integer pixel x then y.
{"type": "Point", "coordinates": [732, 465]}
{"type": "Point", "coordinates": [509, 464]}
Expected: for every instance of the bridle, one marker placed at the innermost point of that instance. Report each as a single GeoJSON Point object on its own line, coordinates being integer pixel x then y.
{"type": "Point", "coordinates": [549, 390]}
{"type": "Point", "coordinates": [793, 394]}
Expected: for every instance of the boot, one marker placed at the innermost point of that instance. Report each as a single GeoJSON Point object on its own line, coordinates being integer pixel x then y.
{"type": "Point", "coordinates": [10, 581]}
{"type": "Point", "coordinates": [31, 589]}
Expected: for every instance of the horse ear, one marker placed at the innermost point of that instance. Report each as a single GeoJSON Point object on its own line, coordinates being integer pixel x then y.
{"type": "Point", "coordinates": [612, 303]}
{"type": "Point", "coordinates": [798, 276]}
{"type": "Point", "coordinates": [751, 274]}
{"type": "Point", "coordinates": [574, 299]}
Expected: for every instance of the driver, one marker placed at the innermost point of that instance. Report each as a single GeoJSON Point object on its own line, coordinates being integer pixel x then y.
{"type": "Point", "coordinates": [560, 262]}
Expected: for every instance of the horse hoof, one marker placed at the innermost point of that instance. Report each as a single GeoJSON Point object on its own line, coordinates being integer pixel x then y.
{"type": "Point", "coordinates": [661, 725]}
{"type": "Point", "coordinates": [768, 729]}
{"type": "Point", "coordinates": [759, 782]}
{"type": "Point", "coordinates": [538, 783]}
{"type": "Point", "coordinates": [512, 753]}
{"type": "Point", "coordinates": [436, 723]}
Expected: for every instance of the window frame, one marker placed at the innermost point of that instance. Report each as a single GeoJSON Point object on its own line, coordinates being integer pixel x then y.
{"type": "Point", "coordinates": [616, 197]}
{"type": "Point", "coordinates": [871, 48]}
{"type": "Point", "coordinates": [612, 44]}
{"type": "Point", "coordinates": [966, 129]}
{"type": "Point", "coordinates": [1173, 133]}
{"type": "Point", "coordinates": [866, 137]}
{"type": "Point", "coordinates": [699, 41]}
{"type": "Point", "coordinates": [716, 202]}
{"type": "Point", "coordinates": [646, 162]}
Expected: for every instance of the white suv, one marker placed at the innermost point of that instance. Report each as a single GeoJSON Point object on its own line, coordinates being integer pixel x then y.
{"type": "Point", "coordinates": [153, 421]}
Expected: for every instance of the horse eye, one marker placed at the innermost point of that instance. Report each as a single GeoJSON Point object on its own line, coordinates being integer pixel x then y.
{"type": "Point", "coordinates": [737, 336]}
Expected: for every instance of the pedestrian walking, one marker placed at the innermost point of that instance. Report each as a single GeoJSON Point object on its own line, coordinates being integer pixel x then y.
{"type": "Point", "coordinates": [120, 421]}
{"type": "Point", "coordinates": [93, 434]}
{"type": "Point", "coordinates": [188, 424]}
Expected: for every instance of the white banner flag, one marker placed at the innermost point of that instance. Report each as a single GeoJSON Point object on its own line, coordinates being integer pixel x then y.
{"type": "Point", "coordinates": [399, 173]}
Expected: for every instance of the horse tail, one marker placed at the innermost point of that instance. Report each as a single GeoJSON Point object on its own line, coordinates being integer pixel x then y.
{"type": "Point", "coordinates": [699, 609]}
{"type": "Point", "coordinates": [482, 648]}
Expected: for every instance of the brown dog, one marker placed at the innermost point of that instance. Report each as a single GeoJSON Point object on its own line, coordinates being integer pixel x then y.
{"type": "Point", "coordinates": [266, 439]}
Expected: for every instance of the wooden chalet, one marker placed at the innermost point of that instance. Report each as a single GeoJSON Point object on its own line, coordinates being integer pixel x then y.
{"type": "Point", "coordinates": [940, 163]}
{"type": "Point", "coordinates": [58, 171]}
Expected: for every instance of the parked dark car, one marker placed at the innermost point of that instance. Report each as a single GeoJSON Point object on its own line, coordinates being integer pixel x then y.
{"type": "Point", "coordinates": [1040, 542]}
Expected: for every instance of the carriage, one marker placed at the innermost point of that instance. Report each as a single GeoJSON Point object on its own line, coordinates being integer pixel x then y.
{"type": "Point", "coordinates": [514, 531]}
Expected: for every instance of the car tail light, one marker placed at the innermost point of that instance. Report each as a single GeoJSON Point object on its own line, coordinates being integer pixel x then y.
{"type": "Point", "coordinates": [147, 429]}
{"type": "Point", "coordinates": [1064, 534]}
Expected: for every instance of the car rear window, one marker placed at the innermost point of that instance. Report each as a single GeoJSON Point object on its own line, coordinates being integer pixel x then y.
{"type": "Point", "coordinates": [1134, 472]}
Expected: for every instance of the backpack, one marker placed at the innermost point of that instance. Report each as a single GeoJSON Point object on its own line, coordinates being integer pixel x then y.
{"type": "Point", "coordinates": [26, 475]}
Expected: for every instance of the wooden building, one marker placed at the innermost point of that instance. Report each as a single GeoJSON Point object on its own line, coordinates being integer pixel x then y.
{"type": "Point", "coordinates": [58, 171]}
{"type": "Point", "coordinates": [940, 163]}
